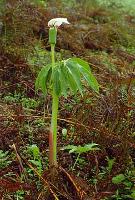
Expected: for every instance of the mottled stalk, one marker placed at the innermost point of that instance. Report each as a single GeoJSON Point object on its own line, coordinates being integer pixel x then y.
{"type": "Point", "coordinates": [53, 130]}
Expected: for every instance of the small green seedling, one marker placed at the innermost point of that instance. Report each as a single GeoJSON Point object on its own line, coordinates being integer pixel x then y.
{"type": "Point", "coordinates": [34, 150]}
{"type": "Point", "coordinates": [64, 133]}
{"type": "Point", "coordinates": [118, 179]}
{"type": "Point", "coordinates": [110, 163]}
{"type": "Point", "coordinates": [81, 149]}
{"type": "Point", "coordinates": [60, 78]}
{"type": "Point", "coordinates": [20, 195]}
{"type": "Point", "coordinates": [127, 180]}
{"type": "Point", "coordinates": [4, 159]}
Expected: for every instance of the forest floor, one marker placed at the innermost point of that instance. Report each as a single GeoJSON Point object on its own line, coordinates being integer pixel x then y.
{"type": "Point", "coordinates": [105, 39]}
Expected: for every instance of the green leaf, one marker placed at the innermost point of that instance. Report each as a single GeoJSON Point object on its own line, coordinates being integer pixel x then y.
{"type": "Point", "coordinates": [63, 81]}
{"type": "Point", "coordinates": [118, 179]}
{"type": "Point", "coordinates": [84, 69]}
{"type": "Point", "coordinates": [82, 149]}
{"type": "Point", "coordinates": [74, 71]}
{"type": "Point", "coordinates": [128, 183]}
{"type": "Point", "coordinates": [41, 81]}
{"type": "Point", "coordinates": [90, 78]}
{"type": "Point", "coordinates": [69, 79]}
{"type": "Point", "coordinates": [92, 146]}
{"type": "Point", "coordinates": [66, 75]}
{"type": "Point", "coordinates": [68, 147]}
{"type": "Point", "coordinates": [82, 63]}
{"type": "Point", "coordinates": [35, 151]}
{"type": "Point", "coordinates": [64, 132]}
{"type": "Point", "coordinates": [133, 194]}
{"type": "Point", "coordinates": [110, 163]}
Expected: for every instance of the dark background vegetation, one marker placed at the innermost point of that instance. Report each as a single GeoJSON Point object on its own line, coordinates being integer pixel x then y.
{"type": "Point", "coordinates": [103, 34]}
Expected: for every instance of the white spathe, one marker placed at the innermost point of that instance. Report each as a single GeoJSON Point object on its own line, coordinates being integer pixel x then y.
{"type": "Point", "coordinates": [57, 22]}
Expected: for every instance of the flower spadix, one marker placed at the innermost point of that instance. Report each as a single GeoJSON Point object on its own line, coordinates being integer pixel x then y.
{"type": "Point", "coordinates": [54, 24]}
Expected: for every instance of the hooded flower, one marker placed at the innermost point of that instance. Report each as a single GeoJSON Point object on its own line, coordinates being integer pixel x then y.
{"type": "Point", "coordinates": [56, 22]}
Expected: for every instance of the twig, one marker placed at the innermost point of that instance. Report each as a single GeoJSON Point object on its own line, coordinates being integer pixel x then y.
{"type": "Point", "coordinates": [20, 161]}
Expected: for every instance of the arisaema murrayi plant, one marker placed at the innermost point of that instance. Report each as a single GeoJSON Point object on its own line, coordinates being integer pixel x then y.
{"type": "Point", "coordinates": [61, 78]}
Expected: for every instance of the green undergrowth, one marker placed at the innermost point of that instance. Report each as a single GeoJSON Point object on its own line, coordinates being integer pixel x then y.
{"type": "Point", "coordinates": [102, 34]}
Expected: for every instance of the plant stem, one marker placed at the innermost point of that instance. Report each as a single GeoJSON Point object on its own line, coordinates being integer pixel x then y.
{"type": "Point", "coordinates": [53, 131]}
{"type": "Point", "coordinates": [75, 161]}
{"type": "Point", "coordinates": [54, 127]}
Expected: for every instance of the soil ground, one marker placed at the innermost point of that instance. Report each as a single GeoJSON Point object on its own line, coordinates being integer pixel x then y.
{"type": "Point", "coordinates": [107, 119]}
